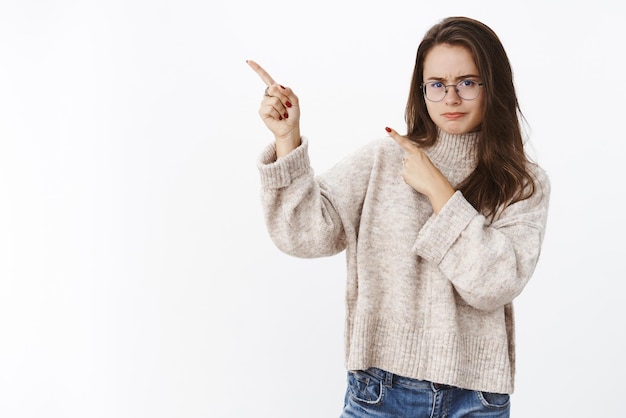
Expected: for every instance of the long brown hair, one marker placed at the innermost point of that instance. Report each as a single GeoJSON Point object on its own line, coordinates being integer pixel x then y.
{"type": "Point", "coordinates": [501, 176]}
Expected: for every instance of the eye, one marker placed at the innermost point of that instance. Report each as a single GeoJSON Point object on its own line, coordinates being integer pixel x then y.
{"type": "Point", "coordinates": [468, 83]}
{"type": "Point", "coordinates": [436, 85]}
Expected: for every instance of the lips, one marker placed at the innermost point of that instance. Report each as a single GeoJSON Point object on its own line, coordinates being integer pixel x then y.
{"type": "Point", "coordinates": [453, 115]}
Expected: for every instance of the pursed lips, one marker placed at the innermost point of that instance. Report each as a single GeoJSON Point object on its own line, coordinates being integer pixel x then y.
{"type": "Point", "coordinates": [453, 115]}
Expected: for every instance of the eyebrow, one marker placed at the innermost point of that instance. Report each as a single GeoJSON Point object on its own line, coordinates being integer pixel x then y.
{"type": "Point", "coordinates": [459, 78]}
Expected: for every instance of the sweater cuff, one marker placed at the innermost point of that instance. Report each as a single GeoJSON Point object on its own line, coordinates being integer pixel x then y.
{"type": "Point", "coordinates": [277, 173]}
{"type": "Point", "coordinates": [442, 230]}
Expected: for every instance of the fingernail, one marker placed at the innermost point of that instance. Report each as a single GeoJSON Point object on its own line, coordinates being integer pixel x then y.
{"type": "Point", "coordinates": [288, 103]}
{"type": "Point", "coordinates": [388, 129]}
{"type": "Point", "coordinates": [280, 117]}
{"type": "Point", "coordinates": [286, 115]}
{"type": "Point", "coordinates": [281, 86]}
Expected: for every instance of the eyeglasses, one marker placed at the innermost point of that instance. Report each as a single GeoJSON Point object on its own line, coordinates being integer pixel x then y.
{"type": "Point", "coordinates": [467, 89]}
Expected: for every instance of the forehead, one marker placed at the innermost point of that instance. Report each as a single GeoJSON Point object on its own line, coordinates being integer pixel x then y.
{"type": "Point", "coordinates": [449, 62]}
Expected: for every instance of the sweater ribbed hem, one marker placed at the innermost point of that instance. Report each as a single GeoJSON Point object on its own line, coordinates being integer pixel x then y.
{"type": "Point", "coordinates": [278, 173]}
{"type": "Point", "coordinates": [466, 361]}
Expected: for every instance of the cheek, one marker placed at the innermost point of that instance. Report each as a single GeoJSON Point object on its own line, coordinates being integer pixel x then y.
{"type": "Point", "coordinates": [477, 119]}
{"type": "Point", "coordinates": [430, 107]}
{"type": "Point", "coordinates": [478, 109]}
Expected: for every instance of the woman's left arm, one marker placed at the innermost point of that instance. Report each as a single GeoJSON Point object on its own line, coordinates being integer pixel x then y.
{"type": "Point", "coordinates": [488, 264]}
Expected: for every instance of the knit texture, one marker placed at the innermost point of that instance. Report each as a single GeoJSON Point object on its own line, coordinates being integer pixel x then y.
{"type": "Point", "coordinates": [428, 296]}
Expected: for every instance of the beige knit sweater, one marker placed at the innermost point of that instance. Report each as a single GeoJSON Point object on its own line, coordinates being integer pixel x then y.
{"type": "Point", "coordinates": [428, 296]}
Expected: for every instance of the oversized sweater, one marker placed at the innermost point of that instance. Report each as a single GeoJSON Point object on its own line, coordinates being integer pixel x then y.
{"type": "Point", "coordinates": [428, 296]}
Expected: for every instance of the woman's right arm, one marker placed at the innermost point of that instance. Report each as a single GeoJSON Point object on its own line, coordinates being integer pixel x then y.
{"type": "Point", "coordinates": [300, 214]}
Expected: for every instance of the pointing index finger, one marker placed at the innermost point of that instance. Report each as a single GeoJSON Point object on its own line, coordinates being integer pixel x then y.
{"type": "Point", "coordinates": [403, 141]}
{"type": "Point", "coordinates": [267, 79]}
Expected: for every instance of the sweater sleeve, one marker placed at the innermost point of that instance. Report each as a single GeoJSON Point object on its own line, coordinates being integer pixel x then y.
{"type": "Point", "coordinates": [488, 264]}
{"type": "Point", "coordinates": [300, 214]}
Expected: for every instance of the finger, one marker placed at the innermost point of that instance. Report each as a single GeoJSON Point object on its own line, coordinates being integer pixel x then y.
{"type": "Point", "coordinates": [269, 112]}
{"type": "Point", "coordinates": [267, 79]}
{"type": "Point", "coordinates": [277, 104]}
{"type": "Point", "coordinates": [284, 94]}
{"type": "Point", "coordinates": [403, 141]}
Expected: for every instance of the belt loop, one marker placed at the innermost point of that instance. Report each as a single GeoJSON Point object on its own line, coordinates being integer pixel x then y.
{"type": "Point", "coordinates": [388, 380]}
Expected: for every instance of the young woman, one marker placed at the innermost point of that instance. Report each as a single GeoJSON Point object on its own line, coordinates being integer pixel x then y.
{"type": "Point", "coordinates": [442, 229]}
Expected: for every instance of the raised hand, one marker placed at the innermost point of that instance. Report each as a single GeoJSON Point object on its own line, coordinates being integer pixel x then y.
{"type": "Point", "coordinates": [280, 111]}
{"type": "Point", "coordinates": [421, 174]}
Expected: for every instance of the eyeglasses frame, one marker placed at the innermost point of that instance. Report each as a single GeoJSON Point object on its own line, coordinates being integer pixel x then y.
{"type": "Point", "coordinates": [423, 88]}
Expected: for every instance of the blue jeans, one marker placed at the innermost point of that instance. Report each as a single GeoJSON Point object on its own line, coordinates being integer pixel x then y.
{"type": "Point", "coordinates": [379, 394]}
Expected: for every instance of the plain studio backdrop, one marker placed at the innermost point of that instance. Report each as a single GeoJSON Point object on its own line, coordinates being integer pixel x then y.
{"type": "Point", "coordinates": [137, 278]}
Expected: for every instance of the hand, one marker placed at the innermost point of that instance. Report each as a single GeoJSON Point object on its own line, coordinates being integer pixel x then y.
{"type": "Point", "coordinates": [280, 111]}
{"type": "Point", "coordinates": [421, 174]}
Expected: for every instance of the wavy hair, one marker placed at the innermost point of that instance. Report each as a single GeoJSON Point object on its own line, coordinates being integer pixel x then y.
{"type": "Point", "coordinates": [501, 176]}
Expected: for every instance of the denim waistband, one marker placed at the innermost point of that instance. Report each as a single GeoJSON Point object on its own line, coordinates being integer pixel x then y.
{"type": "Point", "coordinates": [389, 379]}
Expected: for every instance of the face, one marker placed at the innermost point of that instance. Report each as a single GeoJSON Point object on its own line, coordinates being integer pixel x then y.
{"type": "Point", "coordinates": [450, 64]}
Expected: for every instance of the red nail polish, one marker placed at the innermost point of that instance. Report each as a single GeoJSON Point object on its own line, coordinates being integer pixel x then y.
{"type": "Point", "coordinates": [286, 115]}
{"type": "Point", "coordinates": [288, 103]}
{"type": "Point", "coordinates": [280, 117]}
{"type": "Point", "coordinates": [388, 129]}
{"type": "Point", "coordinates": [281, 86]}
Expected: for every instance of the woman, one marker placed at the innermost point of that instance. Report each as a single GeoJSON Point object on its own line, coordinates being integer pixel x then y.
{"type": "Point", "coordinates": [442, 229]}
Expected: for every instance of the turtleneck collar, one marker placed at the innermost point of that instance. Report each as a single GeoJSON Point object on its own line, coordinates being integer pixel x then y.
{"type": "Point", "coordinates": [454, 151]}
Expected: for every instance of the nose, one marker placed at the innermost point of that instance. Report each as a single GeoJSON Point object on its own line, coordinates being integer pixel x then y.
{"type": "Point", "coordinates": [452, 96]}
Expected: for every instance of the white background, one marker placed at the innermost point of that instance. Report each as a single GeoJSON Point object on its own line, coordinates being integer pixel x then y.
{"type": "Point", "coordinates": [136, 275]}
